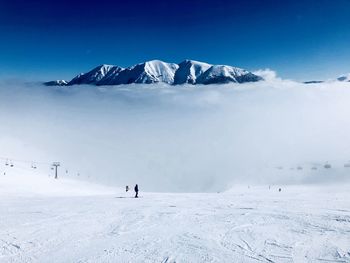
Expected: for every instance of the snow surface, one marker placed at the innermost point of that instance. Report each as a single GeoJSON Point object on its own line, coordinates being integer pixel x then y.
{"type": "Point", "coordinates": [65, 220]}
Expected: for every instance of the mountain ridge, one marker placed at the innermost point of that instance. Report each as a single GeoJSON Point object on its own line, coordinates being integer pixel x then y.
{"type": "Point", "coordinates": [157, 71]}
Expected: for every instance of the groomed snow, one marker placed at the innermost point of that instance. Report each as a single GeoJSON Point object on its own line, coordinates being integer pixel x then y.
{"type": "Point", "coordinates": [48, 220]}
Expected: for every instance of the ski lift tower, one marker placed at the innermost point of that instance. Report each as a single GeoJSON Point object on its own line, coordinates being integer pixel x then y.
{"type": "Point", "coordinates": [56, 164]}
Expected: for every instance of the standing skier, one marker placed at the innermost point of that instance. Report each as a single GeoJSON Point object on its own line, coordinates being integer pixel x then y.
{"type": "Point", "coordinates": [136, 191]}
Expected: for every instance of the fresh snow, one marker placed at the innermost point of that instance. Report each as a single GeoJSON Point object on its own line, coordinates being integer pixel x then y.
{"type": "Point", "coordinates": [65, 220]}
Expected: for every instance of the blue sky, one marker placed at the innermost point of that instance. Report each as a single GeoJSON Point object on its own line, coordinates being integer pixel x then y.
{"type": "Point", "coordinates": [301, 40]}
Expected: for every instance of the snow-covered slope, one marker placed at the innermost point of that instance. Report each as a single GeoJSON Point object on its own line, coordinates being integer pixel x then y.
{"type": "Point", "coordinates": [93, 76]}
{"type": "Point", "coordinates": [188, 71]}
{"type": "Point", "coordinates": [225, 74]}
{"type": "Point", "coordinates": [67, 220]}
{"type": "Point", "coordinates": [23, 180]}
{"type": "Point", "coordinates": [298, 224]}
{"type": "Point", "coordinates": [110, 76]}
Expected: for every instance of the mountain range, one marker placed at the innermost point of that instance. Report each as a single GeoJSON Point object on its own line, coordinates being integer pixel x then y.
{"type": "Point", "coordinates": [156, 71]}
{"type": "Point", "coordinates": [342, 78]}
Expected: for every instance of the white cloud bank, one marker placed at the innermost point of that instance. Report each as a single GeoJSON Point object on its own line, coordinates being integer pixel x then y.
{"type": "Point", "coordinates": [183, 138]}
{"type": "Point", "coordinates": [267, 74]}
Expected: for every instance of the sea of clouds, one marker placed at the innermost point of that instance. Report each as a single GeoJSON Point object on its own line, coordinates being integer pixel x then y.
{"type": "Point", "coordinates": [182, 138]}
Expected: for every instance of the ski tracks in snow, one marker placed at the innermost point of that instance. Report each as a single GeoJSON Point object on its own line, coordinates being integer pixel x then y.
{"type": "Point", "coordinates": [251, 226]}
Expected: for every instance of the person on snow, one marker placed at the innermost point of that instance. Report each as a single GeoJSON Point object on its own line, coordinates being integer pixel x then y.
{"type": "Point", "coordinates": [136, 191]}
{"type": "Point", "coordinates": [126, 188]}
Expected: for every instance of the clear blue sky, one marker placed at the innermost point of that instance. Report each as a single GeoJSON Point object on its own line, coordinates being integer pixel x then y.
{"type": "Point", "coordinates": [301, 40]}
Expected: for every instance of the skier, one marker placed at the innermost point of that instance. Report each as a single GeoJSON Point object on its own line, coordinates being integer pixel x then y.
{"type": "Point", "coordinates": [126, 188]}
{"type": "Point", "coordinates": [136, 190]}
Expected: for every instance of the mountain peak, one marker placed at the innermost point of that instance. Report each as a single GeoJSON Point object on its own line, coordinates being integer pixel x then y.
{"type": "Point", "coordinates": [191, 61]}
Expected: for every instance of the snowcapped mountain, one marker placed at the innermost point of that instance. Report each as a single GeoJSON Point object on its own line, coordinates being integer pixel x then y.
{"type": "Point", "coordinates": [56, 83]}
{"type": "Point", "coordinates": [345, 78]}
{"type": "Point", "coordinates": [154, 71]}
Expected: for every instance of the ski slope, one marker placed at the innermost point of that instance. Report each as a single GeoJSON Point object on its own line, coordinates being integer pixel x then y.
{"type": "Point", "coordinates": [66, 220]}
